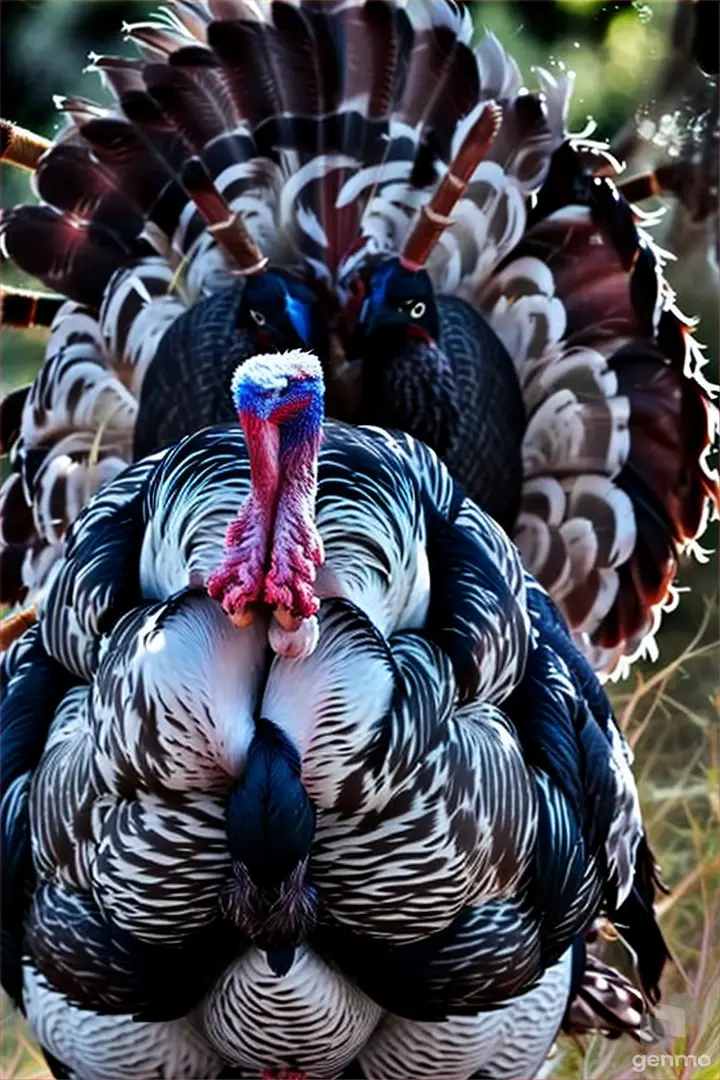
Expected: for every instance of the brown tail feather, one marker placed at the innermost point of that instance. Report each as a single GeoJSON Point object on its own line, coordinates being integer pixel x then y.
{"type": "Point", "coordinates": [23, 308]}
{"type": "Point", "coordinates": [11, 409]}
{"type": "Point", "coordinates": [20, 147]}
{"type": "Point", "coordinates": [434, 215]}
{"type": "Point", "coordinates": [14, 626]}
{"type": "Point", "coordinates": [16, 519]}
{"type": "Point", "coordinates": [73, 257]}
{"type": "Point", "coordinates": [12, 588]}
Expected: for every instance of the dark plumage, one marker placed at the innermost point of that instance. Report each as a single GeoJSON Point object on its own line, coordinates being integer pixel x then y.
{"type": "Point", "coordinates": [270, 829]}
{"type": "Point", "coordinates": [187, 383]}
{"type": "Point", "coordinates": [33, 685]}
{"type": "Point", "coordinates": [433, 377]}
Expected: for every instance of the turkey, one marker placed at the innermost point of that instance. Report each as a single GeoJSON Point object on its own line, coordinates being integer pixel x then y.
{"type": "Point", "coordinates": [358, 178]}
{"type": "Point", "coordinates": [302, 770]}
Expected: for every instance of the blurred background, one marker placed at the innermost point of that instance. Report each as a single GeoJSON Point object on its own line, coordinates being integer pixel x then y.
{"type": "Point", "coordinates": [645, 74]}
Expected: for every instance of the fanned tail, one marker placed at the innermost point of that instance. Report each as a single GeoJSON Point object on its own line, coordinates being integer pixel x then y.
{"type": "Point", "coordinates": [621, 419]}
{"type": "Point", "coordinates": [244, 132]}
{"type": "Point", "coordinates": [309, 137]}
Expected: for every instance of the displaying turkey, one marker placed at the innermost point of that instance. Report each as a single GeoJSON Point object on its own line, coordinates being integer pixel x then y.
{"type": "Point", "coordinates": [373, 845]}
{"type": "Point", "coordinates": [358, 178]}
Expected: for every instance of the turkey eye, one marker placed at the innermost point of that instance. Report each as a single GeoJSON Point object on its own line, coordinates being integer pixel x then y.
{"type": "Point", "coordinates": [257, 317]}
{"type": "Point", "coordinates": [417, 310]}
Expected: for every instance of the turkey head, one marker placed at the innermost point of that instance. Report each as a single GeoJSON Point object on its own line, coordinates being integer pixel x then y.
{"type": "Point", "coordinates": [275, 312]}
{"type": "Point", "coordinates": [267, 312]}
{"type": "Point", "coordinates": [431, 366]}
{"type": "Point", "coordinates": [408, 382]}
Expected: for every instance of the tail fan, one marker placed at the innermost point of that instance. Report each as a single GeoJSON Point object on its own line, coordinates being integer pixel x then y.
{"type": "Point", "coordinates": [621, 422]}
{"type": "Point", "coordinates": [310, 139]}
{"type": "Point", "coordinates": [197, 172]}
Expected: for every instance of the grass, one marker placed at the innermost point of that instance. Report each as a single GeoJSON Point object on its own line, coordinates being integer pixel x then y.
{"type": "Point", "coordinates": [20, 1058]}
{"type": "Point", "coordinates": [671, 716]}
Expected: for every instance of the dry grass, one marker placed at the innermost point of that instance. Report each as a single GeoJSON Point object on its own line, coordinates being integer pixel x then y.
{"type": "Point", "coordinates": [20, 1058]}
{"type": "Point", "coordinates": [670, 715]}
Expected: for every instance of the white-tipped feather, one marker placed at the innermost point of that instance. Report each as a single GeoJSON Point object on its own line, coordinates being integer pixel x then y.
{"type": "Point", "coordinates": [499, 74]}
{"type": "Point", "coordinates": [312, 1020]}
{"type": "Point", "coordinates": [515, 1037]}
{"type": "Point", "coordinates": [120, 1047]}
{"type": "Point", "coordinates": [613, 508]}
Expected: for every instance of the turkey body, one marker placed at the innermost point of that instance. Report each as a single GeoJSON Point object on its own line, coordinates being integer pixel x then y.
{"type": "Point", "coordinates": [473, 804]}
{"type": "Point", "coordinates": [402, 392]}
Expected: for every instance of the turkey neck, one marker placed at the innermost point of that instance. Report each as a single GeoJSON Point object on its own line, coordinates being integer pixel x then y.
{"type": "Point", "coordinates": [263, 443]}
{"type": "Point", "coordinates": [409, 384]}
{"type": "Point", "coordinates": [300, 440]}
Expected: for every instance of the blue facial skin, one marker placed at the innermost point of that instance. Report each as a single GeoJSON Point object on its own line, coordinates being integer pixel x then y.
{"type": "Point", "coordinates": [300, 316]}
{"type": "Point", "coordinates": [278, 311]}
{"type": "Point", "coordinates": [293, 399]}
{"type": "Point", "coordinates": [399, 300]}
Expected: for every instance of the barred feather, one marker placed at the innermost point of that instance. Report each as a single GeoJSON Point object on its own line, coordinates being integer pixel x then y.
{"type": "Point", "coordinates": [472, 800]}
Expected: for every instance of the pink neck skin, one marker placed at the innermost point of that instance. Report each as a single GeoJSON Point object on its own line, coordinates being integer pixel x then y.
{"type": "Point", "coordinates": [272, 547]}
{"type": "Point", "coordinates": [296, 549]}
{"type": "Point", "coordinates": [263, 443]}
{"type": "Point", "coordinates": [239, 581]}
{"type": "Point", "coordinates": [298, 467]}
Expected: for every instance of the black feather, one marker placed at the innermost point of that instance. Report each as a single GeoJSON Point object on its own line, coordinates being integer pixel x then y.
{"type": "Point", "coordinates": [72, 181]}
{"type": "Point", "coordinates": [17, 525]}
{"type": "Point", "coordinates": [185, 101]}
{"type": "Point", "coordinates": [187, 384]}
{"type": "Point", "coordinates": [32, 689]}
{"type": "Point", "coordinates": [99, 580]}
{"type": "Point", "coordinates": [456, 557]}
{"type": "Point", "coordinates": [296, 52]}
{"type": "Point", "coordinates": [452, 972]}
{"type": "Point", "coordinates": [11, 410]}
{"type": "Point", "coordinates": [12, 588]}
{"type": "Point", "coordinates": [99, 966]}
{"type": "Point", "coordinates": [243, 50]}
{"type": "Point", "coordinates": [75, 258]}
{"type": "Point", "coordinates": [122, 74]}
{"type": "Point", "coordinates": [270, 819]}
{"type": "Point", "coordinates": [645, 289]}
{"type": "Point", "coordinates": [615, 217]}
